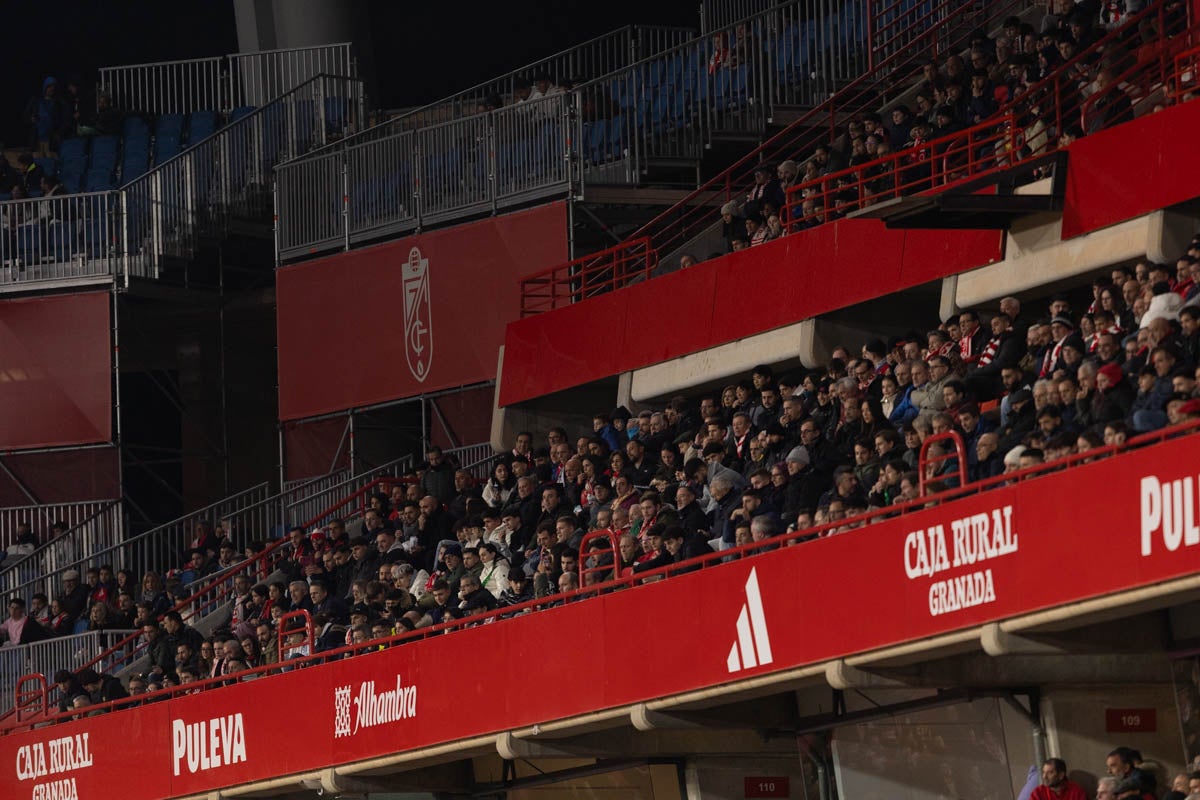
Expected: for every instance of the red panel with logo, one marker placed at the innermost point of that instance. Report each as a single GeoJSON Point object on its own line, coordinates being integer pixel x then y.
{"type": "Point", "coordinates": [983, 558]}
{"type": "Point", "coordinates": [55, 371]}
{"type": "Point", "coordinates": [416, 315]}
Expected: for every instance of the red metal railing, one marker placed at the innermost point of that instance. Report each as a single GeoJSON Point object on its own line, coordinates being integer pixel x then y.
{"type": "Point", "coordinates": [591, 561]}
{"type": "Point", "coordinates": [710, 559]}
{"type": "Point", "coordinates": [926, 461]}
{"type": "Point", "coordinates": [931, 165]}
{"type": "Point", "coordinates": [284, 632]}
{"type": "Point", "coordinates": [897, 60]}
{"type": "Point", "coordinates": [29, 703]}
{"type": "Point", "coordinates": [591, 275]}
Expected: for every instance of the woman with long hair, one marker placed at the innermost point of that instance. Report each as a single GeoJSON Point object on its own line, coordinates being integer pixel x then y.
{"type": "Point", "coordinates": [500, 484]}
{"type": "Point", "coordinates": [494, 577]}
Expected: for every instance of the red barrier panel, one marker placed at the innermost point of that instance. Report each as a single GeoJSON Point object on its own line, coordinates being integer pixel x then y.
{"type": "Point", "coordinates": [416, 315]}
{"type": "Point", "coordinates": [718, 301]}
{"type": "Point", "coordinates": [982, 558]}
{"type": "Point", "coordinates": [55, 370]}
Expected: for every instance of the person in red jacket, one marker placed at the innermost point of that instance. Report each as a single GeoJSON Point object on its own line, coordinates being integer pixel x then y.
{"type": "Point", "coordinates": [1055, 784]}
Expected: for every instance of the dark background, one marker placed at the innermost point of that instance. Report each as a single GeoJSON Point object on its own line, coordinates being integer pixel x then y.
{"type": "Point", "coordinates": [421, 50]}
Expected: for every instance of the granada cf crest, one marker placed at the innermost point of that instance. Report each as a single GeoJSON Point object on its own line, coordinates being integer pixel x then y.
{"type": "Point", "coordinates": [418, 321]}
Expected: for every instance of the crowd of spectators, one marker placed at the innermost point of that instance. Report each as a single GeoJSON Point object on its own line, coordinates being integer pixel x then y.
{"type": "Point", "coordinates": [902, 151]}
{"type": "Point", "coordinates": [1127, 776]}
{"type": "Point", "coordinates": [775, 455]}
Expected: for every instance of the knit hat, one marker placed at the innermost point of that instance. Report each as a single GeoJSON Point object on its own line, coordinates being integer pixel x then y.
{"type": "Point", "coordinates": [799, 455]}
{"type": "Point", "coordinates": [1112, 372]}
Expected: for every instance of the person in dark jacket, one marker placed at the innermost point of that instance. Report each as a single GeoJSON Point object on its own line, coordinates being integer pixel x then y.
{"type": "Point", "coordinates": [103, 688]}
{"type": "Point", "coordinates": [1114, 396]}
{"type": "Point", "coordinates": [438, 478]}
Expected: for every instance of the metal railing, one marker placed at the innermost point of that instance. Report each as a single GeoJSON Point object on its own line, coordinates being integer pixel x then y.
{"type": "Point", "coordinates": [931, 165]}
{"type": "Point", "coordinates": [599, 56]}
{"type": "Point", "coordinates": [945, 26]}
{"type": "Point", "coordinates": [229, 175]}
{"type": "Point", "coordinates": [398, 183]}
{"type": "Point", "coordinates": [47, 657]}
{"type": "Point", "coordinates": [132, 231]}
{"type": "Point", "coordinates": [60, 237]}
{"type": "Point", "coordinates": [158, 549]}
{"type": "Point", "coordinates": [77, 548]}
{"type": "Point", "coordinates": [40, 518]}
{"type": "Point", "coordinates": [221, 83]}
{"type": "Point", "coordinates": [588, 276]}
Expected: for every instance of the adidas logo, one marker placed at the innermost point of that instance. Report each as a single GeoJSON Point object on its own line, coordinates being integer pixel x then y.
{"type": "Point", "coordinates": [752, 648]}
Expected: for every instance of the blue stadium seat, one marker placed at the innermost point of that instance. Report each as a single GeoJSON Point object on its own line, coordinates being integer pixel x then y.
{"type": "Point", "coordinates": [168, 125]}
{"type": "Point", "coordinates": [98, 180]}
{"type": "Point", "coordinates": [95, 238]}
{"type": "Point", "coordinates": [75, 147]}
{"type": "Point", "coordinates": [241, 111]}
{"type": "Point", "coordinates": [103, 162]}
{"type": "Point", "coordinates": [166, 147]}
{"type": "Point", "coordinates": [595, 137]}
{"type": "Point", "coordinates": [135, 163]}
{"type": "Point", "coordinates": [48, 165]}
{"type": "Point", "coordinates": [135, 126]}
{"type": "Point", "coordinates": [201, 125]}
{"type": "Point", "coordinates": [60, 240]}
{"type": "Point", "coordinates": [105, 145]}
{"type": "Point", "coordinates": [29, 240]}
{"type": "Point", "coordinates": [616, 137]}
{"type": "Point", "coordinates": [336, 114]}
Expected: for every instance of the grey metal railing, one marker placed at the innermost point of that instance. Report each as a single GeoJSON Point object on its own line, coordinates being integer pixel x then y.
{"type": "Point", "coordinates": [40, 518]}
{"type": "Point", "coordinates": [49, 656]}
{"type": "Point", "coordinates": [228, 175]}
{"type": "Point", "coordinates": [395, 184]}
{"type": "Point", "coordinates": [83, 542]}
{"type": "Point", "coordinates": [221, 83]}
{"type": "Point", "coordinates": [584, 61]}
{"type": "Point", "coordinates": [159, 549]}
{"type": "Point", "coordinates": [60, 237]}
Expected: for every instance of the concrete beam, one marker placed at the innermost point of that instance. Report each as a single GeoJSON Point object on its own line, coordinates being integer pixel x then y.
{"type": "Point", "coordinates": [511, 748]}
{"type": "Point", "coordinates": [997, 642]}
{"type": "Point", "coordinates": [841, 675]}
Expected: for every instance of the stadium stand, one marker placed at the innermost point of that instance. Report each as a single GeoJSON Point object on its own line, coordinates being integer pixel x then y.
{"type": "Point", "coordinates": [985, 403]}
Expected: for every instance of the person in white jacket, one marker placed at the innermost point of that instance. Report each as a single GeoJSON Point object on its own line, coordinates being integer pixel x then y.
{"type": "Point", "coordinates": [494, 577]}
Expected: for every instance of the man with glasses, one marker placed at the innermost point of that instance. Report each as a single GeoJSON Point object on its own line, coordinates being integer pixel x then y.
{"type": "Point", "coordinates": [929, 399]}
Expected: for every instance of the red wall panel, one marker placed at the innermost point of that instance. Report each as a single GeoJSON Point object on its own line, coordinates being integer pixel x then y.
{"type": "Point", "coordinates": [55, 370]}
{"type": "Point", "coordinates": [311, 447]}
{"type": "Point", "coordinates": [342, 320]}
{"type": "Point", "coordinates": [1133, 169]}
{"type": "Point", "coordinates": [61, 476]}
{"type": "Point", "coordinates": [729, 298]}
{"type": "Point", "coordinates": [618, 655]}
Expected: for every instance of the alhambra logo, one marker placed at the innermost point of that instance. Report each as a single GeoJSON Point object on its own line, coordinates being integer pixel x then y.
{"type": "Point", "coordinates": [368, 709]}
{"type": "Point", "coordinates": [418, 316]}
{"type": "Point", "coordinates": [752, 646]}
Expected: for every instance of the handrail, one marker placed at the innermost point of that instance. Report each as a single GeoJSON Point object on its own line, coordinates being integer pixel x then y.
{"type": "Point", "coordinates": [41, 550]}
{"type": "Point", "coordinates": [30, 703]}
{"type": "Point", "coordinates": [599, 272]}
{"type": "Point", "coordinates": [924, 461]}
{"type": "Point", "coordinates": [586, 555]}
{"type": "Point", "coordinates": [934, 164]}
{"type": "Point", "coordinates": [708, 559]}
{"type": "Point", "coordinates": [283, 632]}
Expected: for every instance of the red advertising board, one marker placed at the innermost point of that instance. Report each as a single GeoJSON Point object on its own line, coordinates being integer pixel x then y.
{"type": "Point", "coordinates": [416, 315]}
{"type": "Point", "coordinates": [55, 370]}
{"type": "Point", "coordinates": [987, 557]}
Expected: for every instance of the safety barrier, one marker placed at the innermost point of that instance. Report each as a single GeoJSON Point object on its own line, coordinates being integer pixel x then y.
{"type": "Point", "coordinates": [47, 657]}
{"type": "Point", "coordinates": [38, 706]}
{"type": "Point", "coordinates": [133, 231]}
{"type": "Point", "coordinates": [930, 467]}
{"type": "Point", "coordinates": [931, 165]}
{"type": "Point", "coordinates": [398, 183]}
{"type": "Point", "coordinates": [588, 276]}
{"type": "Point", "coordinates": [60, 238]}
{"type": "Point", "coordinates": [159, 549]}
{"type": "Point", "coordinates": [221, 83]}
{"type": "Point", "coordinates": [86, 541]}
{"type": "Point", "coordinates": [41, 517]}
{"type": "Point", "coordinates": [663, 109]}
